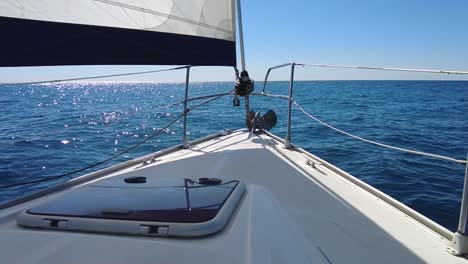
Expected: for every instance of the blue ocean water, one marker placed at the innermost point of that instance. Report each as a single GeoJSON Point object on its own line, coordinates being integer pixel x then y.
{"type": "Point", "coordinates": [50, 129]}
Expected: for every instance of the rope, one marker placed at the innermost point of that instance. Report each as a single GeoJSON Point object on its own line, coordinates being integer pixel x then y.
{"type": "Point", "coordinates": [97, 77]}
{"type": "Point", "coordinates": [53, 132]}
{"type": "Point", "coordinates": [120, 153]}
{"type": "Point", "coordinates": [95, 164]}
{"type": "Point", "coordinates": [209, 101]}
{"type": "Point", "coordinates": [377, 143]}
{"type": "Point", "coordinates": [380, 68]}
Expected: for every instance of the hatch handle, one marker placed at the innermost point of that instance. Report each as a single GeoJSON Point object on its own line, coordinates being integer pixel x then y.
{"type": "Point", "coordinates": [135, 179]}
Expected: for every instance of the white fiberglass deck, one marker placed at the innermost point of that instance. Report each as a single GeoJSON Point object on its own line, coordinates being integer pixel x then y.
{"type": "Point", "coordinates": [295, 210]}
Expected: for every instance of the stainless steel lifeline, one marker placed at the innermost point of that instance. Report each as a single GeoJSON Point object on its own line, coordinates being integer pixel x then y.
{"type": "Point", "coordinates": [459, 244]}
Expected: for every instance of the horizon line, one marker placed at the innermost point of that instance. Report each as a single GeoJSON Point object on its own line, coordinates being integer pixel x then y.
{"type": "Point", "coordinates": [224, 81]}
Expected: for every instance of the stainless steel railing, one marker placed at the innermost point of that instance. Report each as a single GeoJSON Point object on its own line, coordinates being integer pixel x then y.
{"type": "Point", "coordinates": [459, 243]}
{"type": "Point", "coordinates": [185, 141]}
{"type": "Point", "coordinates": [287, 140]}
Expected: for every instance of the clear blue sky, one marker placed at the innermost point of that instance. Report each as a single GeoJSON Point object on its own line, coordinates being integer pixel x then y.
{"type": "Point", "coordinates": [398, 33]}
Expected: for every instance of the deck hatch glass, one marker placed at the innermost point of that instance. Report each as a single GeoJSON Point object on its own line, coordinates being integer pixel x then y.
{"type": "Point", "coordinates": [167, 200]}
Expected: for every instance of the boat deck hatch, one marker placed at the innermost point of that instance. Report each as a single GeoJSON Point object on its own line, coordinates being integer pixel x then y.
{"type": "Point", "coordinates": [141, 206]}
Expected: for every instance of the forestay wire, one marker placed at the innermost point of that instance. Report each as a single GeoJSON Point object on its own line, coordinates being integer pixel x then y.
{"type": "Point", "coordinates": [377, 143]}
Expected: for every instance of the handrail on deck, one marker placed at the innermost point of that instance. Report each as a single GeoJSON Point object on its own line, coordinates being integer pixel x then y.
{"type": "Point", "coordinates": [185, 141]}
{"type": "Point", "coordinates": [459, 244]}
{"type": "Point", "coordinates": [291, 84]}
{"type": "Point", "coordinates": [287, 140]}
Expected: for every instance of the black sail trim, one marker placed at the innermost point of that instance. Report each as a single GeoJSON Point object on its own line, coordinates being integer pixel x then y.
{"type": "Point", "coordinates": [40, 43]}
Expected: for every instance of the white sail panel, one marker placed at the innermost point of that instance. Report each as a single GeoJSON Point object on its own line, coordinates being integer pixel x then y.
{"type": "Point", "coordinates": [206, 18]}
{"type": "Point", "coordinates": [105, 32]}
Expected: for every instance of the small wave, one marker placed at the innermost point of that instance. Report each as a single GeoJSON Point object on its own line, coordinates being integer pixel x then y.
{"type": "Point", "coordinates": [357, 119]}
{"type": "Point", "coordinates": [25, 142]}
{"type": "Point", "coordinates": [9, 177]}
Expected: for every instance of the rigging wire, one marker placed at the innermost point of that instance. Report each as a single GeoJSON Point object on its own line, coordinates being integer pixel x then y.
{"type": "Point", "coordinates": [98, 76]}
{"type": "Point", "coordinates": [120, 153]}
{"type": "Point", "coordinates": [52, 132]}
{"type": "Point", "coordinates": [379, 68]}
{"type": "Point", "coordinates": [97, 163]}
{"type": "Point", "coordinates": [378, 143]}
